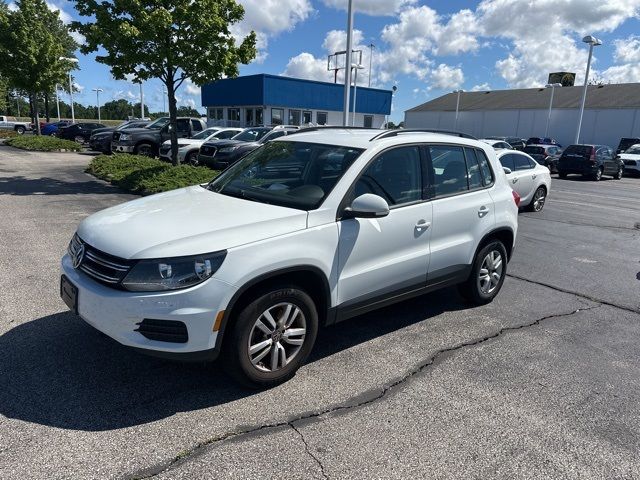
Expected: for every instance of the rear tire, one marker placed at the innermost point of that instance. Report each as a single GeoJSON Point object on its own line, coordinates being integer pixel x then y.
{"type": "Point", "coordinates": [538, 199]}
{"type": "Point", "coordinates": [487, 275]}
{"type": "Point", "coordinates": [281, 325]}
{"type": "Point", "coordinates": [192, 159]}
{"type": "Point", "coordinates": [598, 175]}
{"type": "Point", "coordinates": [20, 130]}
{"type": "Point", "coordinates": [562, 174]}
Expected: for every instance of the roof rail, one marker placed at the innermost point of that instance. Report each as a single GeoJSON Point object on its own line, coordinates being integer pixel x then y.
{"type": "Point", "coordinates": [394, 133]}
{"type": "Point", "coordinates": [333, 127]}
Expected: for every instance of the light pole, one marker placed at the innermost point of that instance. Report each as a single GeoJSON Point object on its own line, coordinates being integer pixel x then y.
{"type": "Point", "coordinates": [593, 42]}
{"type": "Point", "coordinates": [356, 67]}
{"type": "Point", "coordinates": [394, 89]}
{"type": "Point", "coordinates": [141, 102]}
{"type": "Point", "coordinates": [347, 64]}
{"type": "Point", "coordinates": [457, 107]}
{"type": "Point", "coordinates": [371, 47]}
{"type": "Point", "coordinates": [552, 86]}
{"type": "Point", "coordinates": [98, 90]}
{"type": "Point", "coordinates": [164, 99]}
{"type": "Point", "coordinates": [72, 60]}
{"type": "Point", "coordinates": [58, 101]}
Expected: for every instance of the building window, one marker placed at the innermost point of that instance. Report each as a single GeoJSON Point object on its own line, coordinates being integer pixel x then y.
{"type": "Point", "coordinates": [259, 117]}
{"type": "Point", "coordinates": [249, 117]}
{"type": "Point", "coordinates": [216, 113]}
{"type": "Point", "coordinates": [294, 117]}
{"type": "Point", "coordinates": [321, 118]}
{"type": "Point", "coordinates": [277, 116]}
{"type": "Point", "coordinates": [233, 114]}
{"type": "Point", "coordinates": [368, 121]}
{"type": "Point", "coordinates": [306, 118]}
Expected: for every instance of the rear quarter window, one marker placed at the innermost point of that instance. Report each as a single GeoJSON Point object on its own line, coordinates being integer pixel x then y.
{"type": "Point", "coordinates": [578, 150]}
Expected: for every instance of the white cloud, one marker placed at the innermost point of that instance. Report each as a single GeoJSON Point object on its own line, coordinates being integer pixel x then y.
{"type": "Point", "coordinates": [446, 77]}
{"type": "Point", "coordinates": [627, 49]}
{"type": "Point", "coordinates": [371, 7]}
{"type": "Point", "coordinates": [305, 65]}
{"type": "Point", "coordinates": [78, 87]}
{"type": "Point", "coordinates": [482, 87]}
{"type": "Point", "coordinates": [459, 35]}
{"type": "Point", "coordinates": [191, 88]}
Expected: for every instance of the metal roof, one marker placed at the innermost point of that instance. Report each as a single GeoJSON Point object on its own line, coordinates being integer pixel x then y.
{"type": "Point", "coordinates": [623, 95]}
{"type": "Point", "coordinates": [277, 91]}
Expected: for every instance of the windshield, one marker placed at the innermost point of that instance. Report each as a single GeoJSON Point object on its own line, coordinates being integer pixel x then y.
{"type": "Point", "coordinates": [290, 174]}
{"type": "Point", "coordinates": [159, 123]}
{"type": "Point", "coordinates": [251, 134]}
{"type": "Point", "coordinates": [534, 150]}
{"type": "Point", "coordinates": [203, 135]}
{"type": "Point", "coordinates": [635, 150]}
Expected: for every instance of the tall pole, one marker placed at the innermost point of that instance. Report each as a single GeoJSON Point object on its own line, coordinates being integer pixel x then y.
{"type": "Point", "coordinates": [371, 47]}
{"type": "Point", "coordinates": [141, 102]}
{"type": "Point", "coordinates": [593, 42]}
{"type": "Point", "coordinates": [584, 94]}
{"type": "Point", "coordinates": [18, 104]}
{"type": "Point", "coordinates": [457, 108]}
{"type": "Point", "coordinates": [164, 100]}
{"type": "Point", "coordinates": [355, 95]}
{"type": "Point", "coordinates": [347, 73]}
{"type": "Point", "coordinates": [73, 115]}
{"type": "Point", "coordinates": [98, 90]}
{"type": "Point", "coordinates": [58, 101]}
{"type": "Point", "coordinates": [553, 89]}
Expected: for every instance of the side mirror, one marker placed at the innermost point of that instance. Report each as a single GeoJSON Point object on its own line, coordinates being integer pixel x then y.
{"type": "Point", "coordinates": [506, 170]}
{"type": "Point", "coordinates": [367, 206]}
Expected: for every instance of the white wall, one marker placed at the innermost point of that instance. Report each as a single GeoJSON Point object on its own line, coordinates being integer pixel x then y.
{"type": "Point", "coordinates": [598, 126]}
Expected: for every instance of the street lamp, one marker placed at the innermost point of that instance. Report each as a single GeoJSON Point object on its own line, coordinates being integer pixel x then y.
{"type": "Point", "coordinates": [457, 107]}
{"type": "Point", "coordinates": [593, 42]}
{"type": "Point", "coordinates": [98, 90]}
{"type": "Point", "coordinates": [552, 86]}
{"type": "Point", "coordinates": [356, 67]}
{"type": "Point", "coordinates": [72, 60]}
{"type": "Point", "coordinates": [371, 47]}
{"type": "Point", "coordinates": [347, 63]}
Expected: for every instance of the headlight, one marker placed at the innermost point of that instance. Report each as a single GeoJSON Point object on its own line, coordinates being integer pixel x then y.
{"type": "Point", "coordinates": [228, 149]}
{"type": "Point", "coordinates": [124, 136]}
{"type": "Point", "coordinates": [172, 273]}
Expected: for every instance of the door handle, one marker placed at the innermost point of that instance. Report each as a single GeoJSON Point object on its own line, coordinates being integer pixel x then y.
{"type": "Point", "coordinates": [534, 176]}
{"type": "Point", "coordinates": [422, 225]}
{"type": "Point", "coordinates": [483, 211]}
{"type": "Point", "coordinates": [515, 180]}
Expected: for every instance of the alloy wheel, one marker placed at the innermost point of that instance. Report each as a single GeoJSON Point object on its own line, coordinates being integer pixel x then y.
{"type": "Point", "coordinates": [538, 199]}
{"type": "Point", "coordinates": [490, 272]}
{"type": "Point", "coordinates": [277, 337]}
{"type": "Point", "coordinates": [79, 139]}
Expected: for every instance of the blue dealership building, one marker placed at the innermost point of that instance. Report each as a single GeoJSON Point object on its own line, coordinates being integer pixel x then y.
{"type": "Point", "coordinates": [275, 100]}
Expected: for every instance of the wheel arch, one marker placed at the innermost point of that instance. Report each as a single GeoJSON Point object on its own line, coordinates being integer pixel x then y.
{"type": "Point", "coordinates": [310, 278]}
{"type": "Point", "coordinates": [504, 234]}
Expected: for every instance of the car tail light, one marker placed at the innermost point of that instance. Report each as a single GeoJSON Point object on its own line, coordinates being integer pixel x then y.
{"type": "Point", "coordinates": [516, 197]}
{"type": "Point", "coordinates": [592, 158]}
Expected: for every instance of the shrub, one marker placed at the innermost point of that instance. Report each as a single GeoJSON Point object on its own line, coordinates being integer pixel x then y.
{"type": "Point", "coordinates": [145, 175]}
{"type": "Point", "coordinates": [42, 144]}
{"type": "Point", "coordinates": [8, 133]}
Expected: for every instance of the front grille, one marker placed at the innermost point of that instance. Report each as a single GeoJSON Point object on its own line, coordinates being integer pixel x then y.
{"type": "Point", "coordinates": [163, 330]}
{"type": "Point", "coordinates": [100, 266]}
{"type": "Point", "coordinates": [208, 151]}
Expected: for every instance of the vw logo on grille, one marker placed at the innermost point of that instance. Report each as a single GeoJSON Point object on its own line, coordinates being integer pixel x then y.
{"type": "Point", "coordinates": [77, 255]}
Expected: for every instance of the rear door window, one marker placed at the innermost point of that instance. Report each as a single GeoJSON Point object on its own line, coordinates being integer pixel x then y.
{"type": "Point", "coordinates": [521, 162]}
{"type": "Point", "coordinates": [485, 169]}
{"type": "Point", "coordinates": [578, 150]}
{"type": "Point", "coordinates": [449, 170]}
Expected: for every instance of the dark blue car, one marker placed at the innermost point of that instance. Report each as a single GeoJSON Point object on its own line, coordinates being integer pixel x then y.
{"type": "Point", "coordinates": [52, 128]}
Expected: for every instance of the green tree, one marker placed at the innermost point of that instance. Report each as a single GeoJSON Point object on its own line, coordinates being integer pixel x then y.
{"type": "Point", "coordinates": [32, 41]}
{"type": "Point", "coordinates": [167, 39]}
{"type": "Point", "coordinates": [185, 111]}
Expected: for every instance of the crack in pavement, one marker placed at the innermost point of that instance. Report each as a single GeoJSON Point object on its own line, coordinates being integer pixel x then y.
{"type": "Point", "coordinates": [363, 399]}
{"type": "Point", "coordinates": [576, 294]}
{"type": "Point", "coordinates": [309, 452]}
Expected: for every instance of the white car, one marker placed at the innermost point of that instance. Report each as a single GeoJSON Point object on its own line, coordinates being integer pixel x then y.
{"type": "Point", "coordinates": [497, 144]}
{"type": "Point", "coordinates": [631, 159]}
{"type": "Point", "coordinates": [531, 180]}
{"type": "Point", "coordinates": [188, 147]}
{"type": "Point", "coordinates": [305, 231]}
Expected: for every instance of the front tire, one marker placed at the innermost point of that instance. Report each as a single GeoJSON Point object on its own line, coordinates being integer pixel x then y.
{"type": "Point", "coordinates": [192, 159]}
{"type": "Point", "coordinates": [562, 174]}
{"type": "Point", "coordinates": [538, 199]}
{"type": "Point", "coordinates": [598, 175]}
{"type": "Point", "coordinates": [618, 175]}
{"type": "Point", "coordinates": [79, 139]}
{"type": "Point", "coordinates": [20, 130]}
{"type": "Point", "coordinates": [488, 272]}
{"type": "Point", "coordinates": [271, 337]}
{"type": "Point", "coordinates": [145, 149]}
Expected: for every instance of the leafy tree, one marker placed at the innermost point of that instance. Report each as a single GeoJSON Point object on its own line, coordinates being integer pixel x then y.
{"type": "Point", "coordinates": [167, 39]}
{"type": "Point", "coordinates": [185, 111]}
{"type": "Point", "coordinates": [32, 40]}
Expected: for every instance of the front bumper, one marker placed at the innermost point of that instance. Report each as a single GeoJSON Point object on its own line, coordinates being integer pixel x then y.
{"type": "Point", "coordinates": [115, 147]}
{"type": "Point", "coordinates": [117, 313]}
{"type": "Point", "coordinates": [100, 145]}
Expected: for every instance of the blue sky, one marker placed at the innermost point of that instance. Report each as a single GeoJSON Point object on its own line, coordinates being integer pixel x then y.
{"type": "Point", "coordinates": [426, 48]}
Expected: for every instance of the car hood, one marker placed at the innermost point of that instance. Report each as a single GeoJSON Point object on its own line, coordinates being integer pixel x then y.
{"type": "Point", "coordinates": [187, 221]}
{"type": "Point", "coordinates": [629, 156]}
{"type": "Point", "coordinates": [103, 130]}
{"type": "Point", "coordinates": [129, 131]}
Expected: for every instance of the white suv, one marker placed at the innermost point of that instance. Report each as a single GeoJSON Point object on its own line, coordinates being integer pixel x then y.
{"type": "Point", "coordinates": [307, 230]}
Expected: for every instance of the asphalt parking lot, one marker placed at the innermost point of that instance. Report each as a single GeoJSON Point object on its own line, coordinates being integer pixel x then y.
{"type": "Point", "coordinates": [542, 383]}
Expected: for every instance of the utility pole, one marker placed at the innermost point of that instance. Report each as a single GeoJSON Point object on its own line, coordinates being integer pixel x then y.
{"type": "Point", "coordinates": [98, 90]}
{"type": "Point", "coordinates": [347, 73]}
{"type": "Point", "coordinates": [371, 47]}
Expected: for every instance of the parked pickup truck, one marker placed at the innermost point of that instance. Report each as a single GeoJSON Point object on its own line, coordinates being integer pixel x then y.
{"type": "Point", "coordinates": [11, 123]}
{"type": "Point", "coordinates": [147, 141]}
